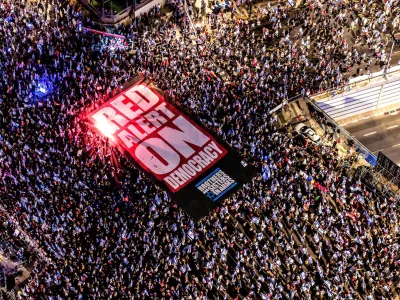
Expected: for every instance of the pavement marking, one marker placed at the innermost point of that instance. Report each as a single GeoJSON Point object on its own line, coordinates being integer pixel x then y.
{"type": "Point", "coordinates": [378, 150]}
{"type": "Point", "coordinates": [397, 145]}
{"type": "Point", "coordinates": [371, 116]}
{"type": "Point", "coordinates": [394, 126]}
{"type": "Point", "coordinates": [371, 133]}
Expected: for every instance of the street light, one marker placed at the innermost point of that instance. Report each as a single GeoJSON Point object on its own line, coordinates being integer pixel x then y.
{"type": "Point", "coordinates": [187, 17]}
{"type": "Point", "coordinates": [394, 41]}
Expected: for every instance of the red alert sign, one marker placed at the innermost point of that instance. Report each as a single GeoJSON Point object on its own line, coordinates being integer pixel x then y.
{"type": "Point", "coordinates": [161, 139]}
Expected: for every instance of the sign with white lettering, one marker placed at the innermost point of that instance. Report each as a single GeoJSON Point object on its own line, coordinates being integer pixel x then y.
{"type": "Point", "coordinates": [216, 184]}
{"type": "Point", "coordinates": [166, 143]}
{"type": "Point", "coordinates": [160, 138]}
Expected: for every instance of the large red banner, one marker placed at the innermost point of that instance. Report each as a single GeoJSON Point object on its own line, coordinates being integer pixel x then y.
{"type": "Point", "coordinates": [161, 139]}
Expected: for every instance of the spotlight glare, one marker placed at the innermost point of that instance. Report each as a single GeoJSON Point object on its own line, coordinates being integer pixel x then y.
{"type": "Point", "coordinates": [105, 129]}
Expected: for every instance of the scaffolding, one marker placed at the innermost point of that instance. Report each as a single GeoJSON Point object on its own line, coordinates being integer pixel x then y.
{"type": "Point", "coordinates": [380, 179]}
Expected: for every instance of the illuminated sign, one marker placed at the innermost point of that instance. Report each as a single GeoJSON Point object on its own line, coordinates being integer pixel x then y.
{"type": "Point", "coordinates": [158, 136]}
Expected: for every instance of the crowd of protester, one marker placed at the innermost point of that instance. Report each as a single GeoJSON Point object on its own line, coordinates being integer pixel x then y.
{"type": "Point", "coordinates": [303, 229]}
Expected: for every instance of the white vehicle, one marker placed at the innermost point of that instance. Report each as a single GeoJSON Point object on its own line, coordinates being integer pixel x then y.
{"type": "Point", "coordinates": [308, 133]}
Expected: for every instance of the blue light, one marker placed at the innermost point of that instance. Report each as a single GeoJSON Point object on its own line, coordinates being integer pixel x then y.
{"type": "Point", "coordinates": [43, 90]}
{"type": "Point", "coordinates": [43, 87]}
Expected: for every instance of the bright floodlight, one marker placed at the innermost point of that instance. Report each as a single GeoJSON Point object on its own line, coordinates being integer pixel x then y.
{"type": "Point", "coordinates": [105, 129]}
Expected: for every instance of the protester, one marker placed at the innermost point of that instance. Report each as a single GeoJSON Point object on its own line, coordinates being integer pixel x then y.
{"type": "Point", "coordinates": [303, 229]}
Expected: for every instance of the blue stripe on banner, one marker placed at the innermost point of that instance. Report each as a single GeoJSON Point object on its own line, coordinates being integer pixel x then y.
{"type": "Point", "coordinates": [224, 192]}
{"type": "Point", "coordinates": [215, 171]}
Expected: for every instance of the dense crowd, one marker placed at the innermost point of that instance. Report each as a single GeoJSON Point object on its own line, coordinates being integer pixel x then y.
{"type": "Point", "coordinates": [303, 229]}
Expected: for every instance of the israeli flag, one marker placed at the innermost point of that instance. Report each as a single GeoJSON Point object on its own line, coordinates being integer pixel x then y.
{"type": "Point", "coordinates": [316, 224]}
{"type": "Point", "coordinates": [327, 284]}
{"type": "Point", "coordinates": [266, 173]}
{"type": "Point", "coordinates": [360, 199]}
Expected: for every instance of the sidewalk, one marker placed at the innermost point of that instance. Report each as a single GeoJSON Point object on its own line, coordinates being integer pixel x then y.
{"type": "Point", "coordinates": [370, 114]}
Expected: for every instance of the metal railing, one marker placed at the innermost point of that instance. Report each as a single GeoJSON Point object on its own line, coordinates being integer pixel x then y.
{"type": "Point", "coordinates": [285, 102]}
{"type": "Point", "coordinates": [347, 87]}
{"type": "Point", "coordinates": [362, 151]}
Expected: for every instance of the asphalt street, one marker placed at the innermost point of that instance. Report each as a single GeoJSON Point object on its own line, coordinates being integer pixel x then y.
{"type": "Point", "coordinates": [380, 133]}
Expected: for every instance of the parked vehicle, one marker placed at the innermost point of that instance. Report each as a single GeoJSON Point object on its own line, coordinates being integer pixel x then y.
{"type": "Point", "coordinates": [308, 133]}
